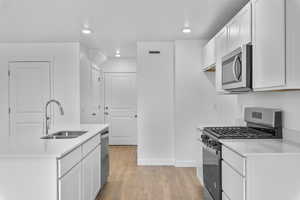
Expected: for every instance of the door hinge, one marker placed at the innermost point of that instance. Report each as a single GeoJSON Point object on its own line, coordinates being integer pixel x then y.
{"type": "Point", "coordinates": [9, 110]}
{"type": "Point", "coordinates": [9, 73]}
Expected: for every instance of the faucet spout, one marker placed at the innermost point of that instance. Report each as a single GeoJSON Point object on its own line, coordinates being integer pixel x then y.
{"type": "Point", "coordinates": [46, 112]}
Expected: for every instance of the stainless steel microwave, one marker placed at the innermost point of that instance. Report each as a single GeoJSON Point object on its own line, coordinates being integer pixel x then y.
{"type": "Point", "coordinates": [237, 70]}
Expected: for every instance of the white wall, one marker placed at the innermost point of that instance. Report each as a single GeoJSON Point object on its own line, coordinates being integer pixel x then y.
{"type": "Point", "coordinates": [289, 102]}
{"type": "Point", "coordinates": [119, 65]}
{"type": "Point", "coordinates": [155, 82]}
{"type": "Point", "coordinates": [196, 100]}
{"type": "Point", "coordinates": [65, 60]}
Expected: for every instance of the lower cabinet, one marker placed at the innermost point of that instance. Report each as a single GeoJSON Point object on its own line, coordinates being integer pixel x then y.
{"type": "Point", "coordinates": [79, 176]}
{"type": "Point", "coordinates": [260, 176]}
{"type": "Point", "coordinates": [70, 184]}
{"type": "Point", "coordinates": [91, 175]}
{"type": "Point", "coordinates": [233, 183]}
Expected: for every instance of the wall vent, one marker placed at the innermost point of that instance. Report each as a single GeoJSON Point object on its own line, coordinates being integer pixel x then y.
{"type": "Point", "coordinates": [154, 52]}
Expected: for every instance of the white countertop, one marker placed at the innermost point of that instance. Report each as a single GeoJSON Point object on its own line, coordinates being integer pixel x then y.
{"type": "Point", "coordinates": [45, 148]}
{"type": "Point", "coordinates": [289, 145]}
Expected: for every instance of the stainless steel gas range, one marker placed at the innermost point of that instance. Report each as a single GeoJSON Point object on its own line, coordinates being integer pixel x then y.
{"type": "Point", "coordinates": [262, 123]}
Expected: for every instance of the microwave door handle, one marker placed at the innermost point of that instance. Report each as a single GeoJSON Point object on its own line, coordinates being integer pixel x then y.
{"type": "Point", "coordinates": [234, 68]}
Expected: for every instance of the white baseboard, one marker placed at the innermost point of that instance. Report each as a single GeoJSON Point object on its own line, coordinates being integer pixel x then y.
{"type": "Point", "coordinates": [155, 162]}
{"type": "Point", "coordinates": [185, 163]}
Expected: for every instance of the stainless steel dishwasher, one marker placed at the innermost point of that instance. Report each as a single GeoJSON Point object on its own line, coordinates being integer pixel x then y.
{"type": "Point", "coordinates": [104, 157]}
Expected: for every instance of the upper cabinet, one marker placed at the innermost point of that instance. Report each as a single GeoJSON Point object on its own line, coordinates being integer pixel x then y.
{"type": "Point", "coordinates": [239, 29]}
{"type": "Point", "coordinates": [268, 44]}
{"type": "Point", "coordinates": [275, 41]}
{"type": "Point", "coordinates": [273, 29]}
{"type": "Point", "coordinates": [236, 33]}
{"type": "Point", "coordinates": [221, 46]}
{"type": "Point", "coordinates": [209, 55]}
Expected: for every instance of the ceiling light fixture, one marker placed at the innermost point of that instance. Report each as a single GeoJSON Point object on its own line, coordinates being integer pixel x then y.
{"type": "Point", "coordinates": [118, 55]}
{"type": "Point", "coordinates": [86, 31]}
{"type": "Point", "coordinates": [186, 30]}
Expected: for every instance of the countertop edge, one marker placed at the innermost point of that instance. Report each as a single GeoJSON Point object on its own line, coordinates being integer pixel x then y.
{"type": "Point", "coordinates": [58, 155]}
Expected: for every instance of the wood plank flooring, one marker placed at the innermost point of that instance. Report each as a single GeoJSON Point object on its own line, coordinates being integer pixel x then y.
{"type": "Point", "coordinates": [127, 181]}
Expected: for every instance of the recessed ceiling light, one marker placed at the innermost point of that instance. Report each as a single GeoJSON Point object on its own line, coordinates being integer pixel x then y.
{"type": "Point", "coordinates": [118, 55]}
{"type": "Point", "coordinates": [186, 30]}
{"type": "Point", "coordinates": [86, 31]}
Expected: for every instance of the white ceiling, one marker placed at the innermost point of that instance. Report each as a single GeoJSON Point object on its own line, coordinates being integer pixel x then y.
{"type": "Point", "coordinates": [116, 23]}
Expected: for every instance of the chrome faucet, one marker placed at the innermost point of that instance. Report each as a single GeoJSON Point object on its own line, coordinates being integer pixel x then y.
{"type": "Point", "coordinates": [46, 112]}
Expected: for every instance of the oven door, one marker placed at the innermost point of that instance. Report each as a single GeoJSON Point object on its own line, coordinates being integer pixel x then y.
{"type": "Point", "coordinates": [236, 69]}
{"type": "Point", "coordinates": [212, 172]}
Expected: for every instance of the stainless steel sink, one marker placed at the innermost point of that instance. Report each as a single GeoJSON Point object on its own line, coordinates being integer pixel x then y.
{"type": "Point", "coordinates": [64, 135]}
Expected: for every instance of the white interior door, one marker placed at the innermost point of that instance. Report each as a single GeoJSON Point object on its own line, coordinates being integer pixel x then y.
{"type": "Point", "coordinates": [29, 90]}
{"type": "Point", "coordinates": [120, 108]}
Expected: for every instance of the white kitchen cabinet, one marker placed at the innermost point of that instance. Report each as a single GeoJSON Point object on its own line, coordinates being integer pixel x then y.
{"type": "Point", "coordinates": [79, 171]}
{"type": "Point", "coordinates": [209, 55]}
{"type": "Point", "coordinates": [266, 175]}
{"type": "Point", "coordinates": [91, 173]}
{"type": "Point", "coordinates": [269, 65]}
{"type": "Point", "coordinates": [239, 29]}
{"type": "Point", "coordinates": [70, 184]}
{"type": "Point", "coordinates": [221, 46]}
{"type": "Point", "coordinates": [292, 44]}
{"type": "Point", "coordinates": [233, 183]}
{"type": "Point", "coordinates": [96, 180]}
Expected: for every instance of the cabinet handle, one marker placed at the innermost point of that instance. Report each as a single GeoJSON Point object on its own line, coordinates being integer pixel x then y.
{"type": "Point", "coordinates": [94, 114]}
{"type": "Point", "coordinates": [105, 113]}
{"type": "Point", "coordinates": [135, 116]}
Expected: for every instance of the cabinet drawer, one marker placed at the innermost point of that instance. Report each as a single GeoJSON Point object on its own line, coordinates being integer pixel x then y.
{"type": "Point", "coordinates": [233, 183]}
{"type": "Point", "coordinates": [234, 159]}
{"type": "Point", "coordinates": [68, 161]}
{"type": "Point", "coordinates": [90, 145]}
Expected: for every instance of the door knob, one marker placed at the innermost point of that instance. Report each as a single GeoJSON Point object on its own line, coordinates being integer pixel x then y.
{"type": "Point", "coordinates": [94, 114]}
{"type": "Point", "coordinates": [135, 116]}
{"type": "Point", "coordinates": [106, 107]}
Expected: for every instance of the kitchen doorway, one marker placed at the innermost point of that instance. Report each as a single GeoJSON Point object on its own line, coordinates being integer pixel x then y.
{"type": "Point", "coordinates": [121, 107]}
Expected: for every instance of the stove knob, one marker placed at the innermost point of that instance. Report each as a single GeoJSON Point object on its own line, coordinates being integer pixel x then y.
{"type": "Point", "coordinates": [213, 143]}
{"type": "Point", "coordinates": [204, 137]}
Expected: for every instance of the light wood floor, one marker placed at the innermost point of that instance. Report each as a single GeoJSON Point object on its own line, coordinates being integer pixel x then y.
{"type": "Point", "coordinates": [128, 181]}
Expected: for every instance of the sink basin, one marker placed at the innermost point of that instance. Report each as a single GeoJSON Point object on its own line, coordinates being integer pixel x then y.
{"type": "Point", "coordinates": [64, 135]}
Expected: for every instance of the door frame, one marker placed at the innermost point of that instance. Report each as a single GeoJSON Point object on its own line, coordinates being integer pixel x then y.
{"type": "Point", "coordinates": [12, 60]}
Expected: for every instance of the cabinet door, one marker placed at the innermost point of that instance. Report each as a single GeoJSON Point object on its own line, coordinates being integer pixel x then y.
{"type": "Point", "coordinates": [70, 185]}
{"type": "Point", "coordinates": [233, 34]}
{"type": "Point", "coordinates": [239, 29]}
{"type": "Point", "coordinates": [209, 54]}
{"type": "Point", "coordinates": [96, 179]}
{"type": "Point", "coordinates": [245, 23]}
{"type": "Point", "coordinates": [221, 43]}
{"type": "Point", "coordinates": [233, 184]}
{"type": "Point", "coordinates": [205, 54]}
{"type": "Point", "coordinates": [292, 43]}
{"type": "Point", "coordinates": [91, 174]}
{"type": "Point", "coordinates": [268, 43]}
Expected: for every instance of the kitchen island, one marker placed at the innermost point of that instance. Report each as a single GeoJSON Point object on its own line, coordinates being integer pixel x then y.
{"type": "Point", "coordinates": [51, 169]}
